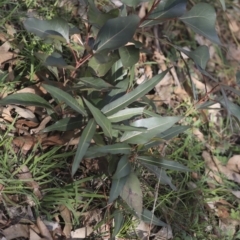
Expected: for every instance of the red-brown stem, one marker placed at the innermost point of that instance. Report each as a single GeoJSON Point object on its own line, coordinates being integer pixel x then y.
{"type": "Point", "coordinates": [155, 3]}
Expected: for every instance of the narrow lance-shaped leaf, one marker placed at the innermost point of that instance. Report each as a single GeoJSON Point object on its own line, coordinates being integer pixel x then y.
{"type": "Point", "coordinates": [125, 114]}
{"type": "Point", "coordinates": [25, 99]}
{"type": "Point", "coordinates": [65, 124]}
{"type": "Point", "coordinates": [154, 125]}
{"type": "Point", "coordinates": [133, 3]}
{"type": "Point", "coordinates": [116, 188]}
{"type": "Point", "coordinates": [166, 135]}
{"type": "Point", "coordinates": [118, 222]}
{"type": "Point", "coordinates": [166, 10]}
{"type": "Point", "coordinates": [163, 163]}
{"type": "Point", "coordinates": [129, 98]}
{"type": "Point", "coordinates": [149, 217]}
{"type": "Point", "coordinates": [160, 174]}
{"type": "Point", "coordinates": [117, 148]}
{"type": "Point", "coordinates": [132, 194]}
{"type": "Point", "coordinates": [66, 98]}
{"type": "Point", "coordinates": [201, 19]}
{"type": "Point", "coordinates": [83, 145]}
{"type": "Point", "coordinates": [116, 33]}
{"type": "Point", "coordinates": [100, 119]}
{"type": "Point", "coordinates": [123, 168]}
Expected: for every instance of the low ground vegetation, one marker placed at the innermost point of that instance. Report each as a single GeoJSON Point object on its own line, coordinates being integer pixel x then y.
{"type": "Point", "coordinates": [119, 119]}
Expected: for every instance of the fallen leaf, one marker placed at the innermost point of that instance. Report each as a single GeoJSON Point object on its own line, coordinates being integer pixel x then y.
{"type": "Point", "coordinates": [22, 122]}
{"type": "Point", "coordinates": [25, 174]}
{"type": "Point", "coordinates": [81, 233]}
{"type": "Point", "coordinates": [233, 53]}
{"type": "Point", "coordinates": [234, 163]}
{"type": "Point", "coordinates": [42, 125]}
{"type": "Point", "coordinates": [16, 231]}
{"type": "Point", "coordinates": [66, 215]}
{"type": "Point", "coordinates": [164, 234]}
{"type": "Point", "coordinates": [43, 229]}
{"type": "Point", "coordinates": [214, 168]}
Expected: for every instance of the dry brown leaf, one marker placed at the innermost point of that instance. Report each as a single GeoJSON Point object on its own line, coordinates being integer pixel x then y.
{"type": "Point", "coordinates": [232, 23]}
{"type": "Point", "coordinates": [22, 122]}
{"type": "Point", "coordinates": [6, 114]}
{"type": "Point", "coordinates": [66, 215]}
{"type": "Point", "coordinates": [43, 229]}
{"type": "Point", "coordinates": [142, 229]}
{"type": "Point", "coordinates": [16, 231]}
{"type": "Point", "coordinates": [53, 140]}
{"type": "Point", "coordinates": [164, 89]}
{"type": "Point", "coordinates": [236, 193]}
{"type": "Point", "coordinates": [223, 212]}
{"type": "Point", "coordinates": [228, 227]}
{"type": "Point", "coordinates": [25, 143]}
{"type": "Point", "coordinates": [214, 168]}
{"type": "Point", "coordinates": [25, 174]}
{"type": "Point", "coordinates": [5, 55]}
{"type": "Point", "coordinates": [33, 89]}
{"type": "Point", "coordinates": [81, 233]}
{"type": "Point", "coordinates": [34, 233]}
{"type": "Point", "coordinates": [25, 113]}
{"type": "Point", "coordinates": [181, 93]}
{"type": "Point", "coordinates": [42, 125]}
{"type": "Point", "coordinates": [233, 53]}
{"type": "Point", "coordinates": [234, 163]}
{"type": "Point", "coordinates": [164, 234]}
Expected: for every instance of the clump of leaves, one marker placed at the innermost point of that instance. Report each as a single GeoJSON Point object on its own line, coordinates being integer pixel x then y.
{"type": "Point", "coordinates": [106, 105]}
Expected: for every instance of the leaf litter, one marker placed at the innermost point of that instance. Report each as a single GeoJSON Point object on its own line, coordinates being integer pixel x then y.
{"type": "Point", "coordinates": [166, 93]}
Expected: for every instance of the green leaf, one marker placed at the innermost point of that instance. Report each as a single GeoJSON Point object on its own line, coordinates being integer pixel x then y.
{"type": "Point", "coordinates": [133, 3]}
{"type": "Point", "coordinates": [101, 69]}
{"type": "Point", "coordinates": [98, 18]}
{"type": "Point", "coordinates": [125, 114]}
{"type": "Point", "coordinates": [154, 125]}
{"type": "Point", "coordinates": [26, 99]}
{"type": "Point", "coordinates": [201, 19]}
{"type": "Point", "coordinates": [130, 97]}
{"type": "Point", "coordinates": [117, 148]}
{"type": "Point", "coordinates": [132, 194]}
{"type": "Point", "coordinates": [123, 168]}
{"type": "Point", "coordinates": [223, 4]}
{"type": "Point", "coordinates": [116, 188]}
{"type": "Point", "coordinates": [149, 217]}
{"type": "Point", "coordinates": [56, 59]}
{"type": "Point", "coordinates": [65, 124]}
{"type": "Point", "coordinates": [232, 108]}
{"type": "Point", "coordinates": [118, 222]}
{"type": "Point", "coordinates": [238, 77]}
{"type": "Point", "coordinates": [166, 10]}
{"type": "Point", "coordinates": [101, 120]}
{"type": "Point", "coordinates": [200, 56]}
{"type": "Point", "coordinates": [166, 135]}
{"type": "Point", "coordinates": [55, 28]}
{"type": "Point", "coordinates": [163, 163]}
{"type": "Point", "coordinates": [116, 33]}
{"type": "Point", "coordinates": [127, 128]}
{"type": "Point", "coordinates": [96, 83]}
{"type": "Point", "coordinates": [83, 145]}
{"type": "Point", "coordinates": [160, 174]}
{"type": "Point", "coordinates": [62, 96]}
{"type": "Point", "coordinates": [129, 55]}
